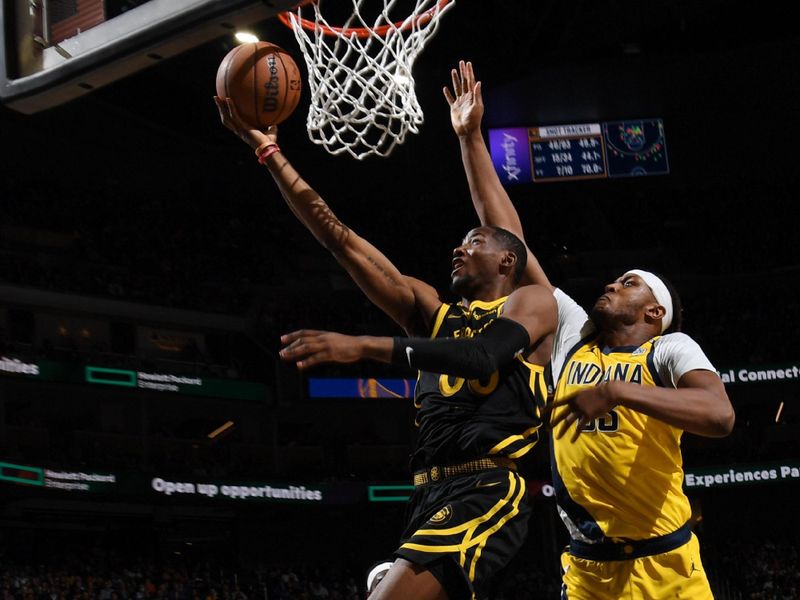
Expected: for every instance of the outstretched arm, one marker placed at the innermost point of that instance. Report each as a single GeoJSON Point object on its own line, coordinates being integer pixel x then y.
{"type": "Point", "coordinates": [408, 301]}
{"type": "Point", "coordinates": [528, 316]}
{"type": "Point", "coordinates": [489, 197]}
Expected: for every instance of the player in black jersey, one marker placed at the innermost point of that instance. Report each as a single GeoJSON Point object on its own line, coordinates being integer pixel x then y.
{"type": "Point", "coordinates": [479, 395]}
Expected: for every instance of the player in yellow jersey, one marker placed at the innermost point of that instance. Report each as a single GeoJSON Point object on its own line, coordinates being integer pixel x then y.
{"type": "Point", "coordinates": [479, 395]}
{"type": "Point", "coordinates": [627, 385]}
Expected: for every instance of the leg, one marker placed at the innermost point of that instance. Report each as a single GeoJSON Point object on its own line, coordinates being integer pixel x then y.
{"type": "Point", "coordinates": [595, 580]}
{"type": "Point", "coordinates": [407, 580]}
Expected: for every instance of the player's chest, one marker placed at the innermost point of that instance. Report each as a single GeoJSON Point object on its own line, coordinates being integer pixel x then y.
{"type": "Point", "coordinates": [591, 366]}
{"type": "Point", "coordinates": [466, 325]}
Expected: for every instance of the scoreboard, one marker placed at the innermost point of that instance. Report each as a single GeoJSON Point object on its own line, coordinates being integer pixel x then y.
{"type": "Point", "coordinates": [567, 151]}
{"type": "Point", "coordinates": [579, 151]}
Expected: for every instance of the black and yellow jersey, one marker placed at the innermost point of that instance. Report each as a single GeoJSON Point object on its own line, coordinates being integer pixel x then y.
{"type": "Point", "coordinates": [461, 420]}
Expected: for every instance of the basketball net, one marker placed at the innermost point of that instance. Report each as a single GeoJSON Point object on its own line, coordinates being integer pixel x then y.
{"type": "Point", "coordinates": [359, 76]}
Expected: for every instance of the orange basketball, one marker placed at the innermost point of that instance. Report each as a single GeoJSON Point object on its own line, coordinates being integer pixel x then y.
{"type": "Point", "coordinates": [262, 80]}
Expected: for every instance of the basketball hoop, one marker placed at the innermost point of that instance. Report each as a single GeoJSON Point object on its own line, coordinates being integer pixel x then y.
{"type": "Point", "coordinates": [359, 75]}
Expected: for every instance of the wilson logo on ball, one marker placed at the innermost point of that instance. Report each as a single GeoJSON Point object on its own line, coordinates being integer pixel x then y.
{"type": "Point", "coordinates": [272, 86]}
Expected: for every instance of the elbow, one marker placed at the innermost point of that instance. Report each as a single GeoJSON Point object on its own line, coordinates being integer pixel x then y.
{"type": "Point", "coordinates": [729, 421]}
{"type": "Point", "coordinates": [723, 423]}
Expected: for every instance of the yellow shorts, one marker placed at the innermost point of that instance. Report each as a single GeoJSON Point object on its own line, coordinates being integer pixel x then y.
{"type": "Point", "coordinates": [674, 574]}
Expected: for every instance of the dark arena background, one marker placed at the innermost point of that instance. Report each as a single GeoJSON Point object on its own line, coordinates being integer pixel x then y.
{"type": "Point", "coordinates": [152, 445]}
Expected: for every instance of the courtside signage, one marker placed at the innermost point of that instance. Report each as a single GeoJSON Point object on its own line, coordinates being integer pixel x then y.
{"type": "Point", "coordinates": [71, 481]}
{"type": "Point", "coordinates": [164, 489]}
{"type": "Point", "coordinates": [759, 374]}
{"type": "Point", "coordinates": [17, 367]}
{"type": "Point", "coordinates": [715, 477]}
{"type": "Point", "coordinates": [367, 387]}
{"type": "Point", "coordinates": [47, 370]}
{"type": "Point", "coordinates": [247, 491]}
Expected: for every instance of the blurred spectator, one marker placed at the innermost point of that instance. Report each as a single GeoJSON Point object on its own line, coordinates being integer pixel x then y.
{"type": "Point", "coordinates": [760, 570]}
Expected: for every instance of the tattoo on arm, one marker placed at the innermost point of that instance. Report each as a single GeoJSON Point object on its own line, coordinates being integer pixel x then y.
{"type": "Point", "coordinates": [384, 272]}
{"type": "Point", "coordinates": [332, 232]}
{"type": "Point", "coordinates": [335, 235]}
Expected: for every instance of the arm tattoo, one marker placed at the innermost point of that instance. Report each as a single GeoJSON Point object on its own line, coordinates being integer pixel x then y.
{"type": "Point", "coordinates": [331, 232]}
{"type": "Point", "coordinates": [384, 272]}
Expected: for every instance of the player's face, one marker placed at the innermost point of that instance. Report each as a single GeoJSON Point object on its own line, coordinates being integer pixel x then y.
{"type": "Point", "coordinates": [623, 301]}
{"type": "Point", "coordinates": [475, 261]}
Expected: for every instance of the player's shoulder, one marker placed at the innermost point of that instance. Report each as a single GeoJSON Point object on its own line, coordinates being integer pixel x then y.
{"type": "Point", "coordinates": [676, 339]}
{"type": "Point", "coordinates": [675, 345]}
{"type": "Point", "coordinates": [533, 299]}
{"type": "Point", "coordinates": [676, 354]}
{"type": "Point", "coordinates": [532, 292]}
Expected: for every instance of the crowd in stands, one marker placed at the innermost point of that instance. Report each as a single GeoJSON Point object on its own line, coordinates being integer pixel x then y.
{"type": "Point", "coordinates": [143, 581]}
{"type": "Point", "coordinates": [109, 579]}
{"type": "Point", "coordinates": [765, 570]}
{"type": "Point", "coordinates": [162, 252]}
{"type": "Point", "coordinates": [768, 569]}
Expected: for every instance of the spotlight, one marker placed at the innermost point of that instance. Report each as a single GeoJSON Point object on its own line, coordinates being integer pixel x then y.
{"type": "Point", "coordinates": [245, 37]}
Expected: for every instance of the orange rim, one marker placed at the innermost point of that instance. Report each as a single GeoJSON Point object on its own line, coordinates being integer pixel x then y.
{"type": "Point", "coordinates": [365, 32]}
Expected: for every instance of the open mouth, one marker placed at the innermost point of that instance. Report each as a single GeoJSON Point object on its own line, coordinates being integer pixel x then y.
{"type": "Point", "coordinates": [457, 264]}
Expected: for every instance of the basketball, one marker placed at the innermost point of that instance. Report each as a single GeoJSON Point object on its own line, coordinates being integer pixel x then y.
{"type": "Point", "coordinates": [262, 80]}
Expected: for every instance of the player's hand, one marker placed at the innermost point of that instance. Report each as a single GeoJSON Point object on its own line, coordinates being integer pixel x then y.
{"type": "Point", "coordinates": [582, 408]}
{"type": "Point", "coordinates": [231, 119]}
{"type": "Point", "coordinates": [308, 348]}
{"type": "Point", "coordinates": [466, 101]}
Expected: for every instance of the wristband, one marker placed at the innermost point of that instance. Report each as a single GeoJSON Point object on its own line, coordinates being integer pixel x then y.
{"type": "Point", "coordinates": [263, 147]}
{"type": "Point", "coordinates": [264, 151]}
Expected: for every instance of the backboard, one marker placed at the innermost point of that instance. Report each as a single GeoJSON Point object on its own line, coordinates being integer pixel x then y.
{"type": "Point", "coordinates": [53, 51]}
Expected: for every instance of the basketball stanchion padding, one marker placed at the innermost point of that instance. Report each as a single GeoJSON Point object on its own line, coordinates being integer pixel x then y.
{"type": "Point", "coordinates": [262, 80]}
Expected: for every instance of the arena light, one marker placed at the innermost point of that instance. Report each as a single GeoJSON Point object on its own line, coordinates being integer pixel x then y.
{"type": "Point", "coordinates": [778, 416]}
{"type": "Point", "coordinates": [221, 429]}
{"type": "Point", "coordinates": [245, 37]}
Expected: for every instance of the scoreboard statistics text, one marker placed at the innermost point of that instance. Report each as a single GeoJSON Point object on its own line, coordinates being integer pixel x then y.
{"type": "Point", "coordinates": [579, 151]}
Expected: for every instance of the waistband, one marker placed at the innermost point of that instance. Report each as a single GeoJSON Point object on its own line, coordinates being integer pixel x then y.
{"type": "Point", "coordinates": [633, 548]}
{"type": "Point", "coordinates": [436, 473]}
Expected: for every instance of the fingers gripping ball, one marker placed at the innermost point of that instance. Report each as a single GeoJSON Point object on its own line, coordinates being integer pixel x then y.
{"type": "Point", "coordinates": [262, 80]}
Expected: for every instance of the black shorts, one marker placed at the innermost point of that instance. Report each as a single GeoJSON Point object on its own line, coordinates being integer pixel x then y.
{"type": "Point", "coordinates": [464, 529]}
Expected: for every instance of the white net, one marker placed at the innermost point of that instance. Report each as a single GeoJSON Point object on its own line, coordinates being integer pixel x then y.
{"type": "Point", "coordinates": [362, 88]}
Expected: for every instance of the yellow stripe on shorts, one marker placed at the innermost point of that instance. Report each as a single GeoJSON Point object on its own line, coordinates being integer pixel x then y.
{"type": "Point", "coordinates": [517, 491]}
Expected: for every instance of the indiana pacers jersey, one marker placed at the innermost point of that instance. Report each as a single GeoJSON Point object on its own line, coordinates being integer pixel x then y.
{"type": "Point", "coordinates": [461, 420]}
{"type": "Point", "coordinates": [622, 478]}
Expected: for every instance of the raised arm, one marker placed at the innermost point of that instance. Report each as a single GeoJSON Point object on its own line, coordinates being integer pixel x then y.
{"type": "Point", "coordinates": [408, 301]}
{"type": "Point", "coordinates": [528, 317]}
{"type": "Point", "coordinates": [489, 197]}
